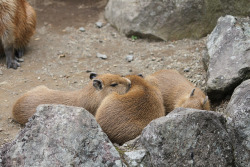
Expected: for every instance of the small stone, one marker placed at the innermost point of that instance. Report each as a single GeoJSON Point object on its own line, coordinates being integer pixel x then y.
{"type": "Point", "coordinates": [130, 70]}
{"type": "Point", "coordinates": [187, 69]}
{"type": "Point", "coordinates": [82, 29]}
{"type": "Point", "coordinates": [99, 24]}
{"type": "Point", "coordinates": [130, 58]}
{"type": "Point", "coordinates": [1, 73]}
{"type": "Point", "coordinates": [61, 55]}
{"type": "Point", "coordinates": [102, 56]}
{"type": "Point", "coordinates": [153, 59]}
{"type": "Point", "coordinates": [20, 59]}
{"type": "Point", "coordinates": [114, 35]}
{"type": "Point", "coordinates": [38, 78]}
{"type": "Point", "coordinates": [88, 71]}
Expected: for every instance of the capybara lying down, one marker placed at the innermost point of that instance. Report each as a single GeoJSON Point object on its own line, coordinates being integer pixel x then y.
{"type": "Point", "coordinates": [177, 91]}
{"type": "Point", "coordinates": [89, 97]}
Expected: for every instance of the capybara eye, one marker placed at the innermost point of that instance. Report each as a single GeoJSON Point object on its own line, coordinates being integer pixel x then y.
{"type": "Point", "coordinates": [114, 84]}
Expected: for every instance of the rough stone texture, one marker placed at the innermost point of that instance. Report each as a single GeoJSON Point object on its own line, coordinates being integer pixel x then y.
{"type": "Point", "coordinates": [134, 154]}
{"type": "Point", "coordinates": [171, 19]}
{"type": "Point", "coordinates": [135, 158]}
{"type": "Point", "coordinates": [60, 135]}
{"type": "Point", "coordinates": [238, 110]}
{"type": "Point", "coordinates": [188, 137]}
{"type": "Point", "coordinates": [229, 51]}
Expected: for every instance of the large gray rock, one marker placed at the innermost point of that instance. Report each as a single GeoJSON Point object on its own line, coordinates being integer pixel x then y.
{"type": "Point", "coordinates": [188, 137]}
{"type": "Point", "coordinates": [171, 19]}
{"type": "Point", "coordinates": [229, 51]}
{"type": "Point", "coordinates": [60, 135]}
{"type": "Point", "coordinates": [238, 111]}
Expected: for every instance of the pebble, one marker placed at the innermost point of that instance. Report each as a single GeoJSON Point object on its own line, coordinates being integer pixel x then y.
{"type": "Point", "coordinates": [187, 69]}
{"type": "Point", "coordinates": [99, 24]}
{"type": "Point", "coordinates": [153, 59]}
{"type": "Point", "coordinates": [130, 58]}
{"type": "Point", "coordinates": [102, 56]}
{"type": "Point", "coordinates": [38, 78]}
{"type": "Point", "coordinates": [114, 35]}
{"type": "Point", "coordinates": [82, 29]}
{"type": "Point", "coordinates": [1, 73]}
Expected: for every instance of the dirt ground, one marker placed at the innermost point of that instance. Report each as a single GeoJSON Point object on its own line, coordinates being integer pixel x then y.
{"type": "Point", "coordinates": [60, 55]}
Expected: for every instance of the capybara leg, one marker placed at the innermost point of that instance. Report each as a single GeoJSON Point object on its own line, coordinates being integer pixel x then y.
{"type": "Point", "coordinates": [19, 53]}
{"type": "Point", "coordinates": [10, 58]}
{"type": "Point", "coordinates": [1, 49]}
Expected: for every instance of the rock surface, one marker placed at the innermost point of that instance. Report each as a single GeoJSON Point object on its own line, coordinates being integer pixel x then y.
{"type": "Point", "coordinates": [229, 51]}
{"type": "Point", "coordinates": [60, 135]}
{"type": "Point", "coordinates": [188, 137]}
{"type": "Point", "coordinates": [238, 111]}
{"type": "Point", "coordinates": [171, 20]}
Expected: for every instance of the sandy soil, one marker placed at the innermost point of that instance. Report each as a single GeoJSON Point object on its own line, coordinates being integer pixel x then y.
{"type": "Point", "coordinates": [60, 55]}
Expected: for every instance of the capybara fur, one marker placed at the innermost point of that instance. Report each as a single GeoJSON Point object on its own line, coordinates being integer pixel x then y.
{"type": "Point", "coordinates": [17, 25]}
{"type": "Point", "coordinates": [123, 117]}
{"type": "Point", "coordinates": [177, 91]}
{"type": "Point", "coordinates": [89, 97]}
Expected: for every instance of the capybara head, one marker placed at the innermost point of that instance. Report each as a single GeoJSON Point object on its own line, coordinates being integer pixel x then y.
{"type": "Point", "coordinates": [108, 83]}
{"type": "Point", "coordinates": [195, 100]}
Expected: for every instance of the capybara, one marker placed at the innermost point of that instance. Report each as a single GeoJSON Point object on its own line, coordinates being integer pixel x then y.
{"type": "Point", "coordinates": [177, 91]}
{"type": "Point", "coordinates": [17, 25]}
{"type": "Point", "coordinates": [89, 97]}
{"type": "Point", "coordinates": [123, 117]}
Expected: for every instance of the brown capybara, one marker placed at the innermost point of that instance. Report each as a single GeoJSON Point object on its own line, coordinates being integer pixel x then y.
{"type": "Point", "coordinates": [89, 97]}
{"type": "Point", "coordinates": [177, 91]}
{"type": "Point", "coordinates": [123, 117]}
{"type": "Point", "coordinates": [17, 25]}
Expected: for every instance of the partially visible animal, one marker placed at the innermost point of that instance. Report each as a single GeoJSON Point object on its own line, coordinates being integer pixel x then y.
{"type": "Point", "coordinates": [123, 117]}
{"type": "Point", "coordinates": [89, 97]}
{"type": "Point", "coordinates": [177, 91]}
{"type": "Point", "coordinates": [17, 25]}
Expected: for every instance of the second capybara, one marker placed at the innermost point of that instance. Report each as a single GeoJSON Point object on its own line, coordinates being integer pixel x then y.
{"type": "Point", "coordinates": [89, 97]}
{"type": "Point", "coordinates": [17, 25]}
{"type": "Point", "coordinates": [123, 117]}
{"type": "Point", "coordinates": [177, 91]}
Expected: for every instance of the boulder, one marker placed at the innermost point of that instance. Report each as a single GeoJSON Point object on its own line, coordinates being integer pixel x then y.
{"type": "Point", "coordinates": [229, 56]}
{"type": "Point", "coordinates": [188, 137]}
{"type": "Point", "coordinates": [238, 112]}
{"type": "Point", "coordinates": [60, 135]}
{"type": "Point", "coordinates": [171, 19]}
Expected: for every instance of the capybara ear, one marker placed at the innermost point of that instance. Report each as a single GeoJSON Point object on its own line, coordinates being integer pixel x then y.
{"type": "Point", "coordinates": [192, 93]}
{"type": "Point", "coordinates": [97, 84]}
{"type": "Point", "coordinates": [92, 75]}
{"type": "Point", "coordinates": [140, 75]}
{"type": "Point", "coordinates": [205, 100]}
